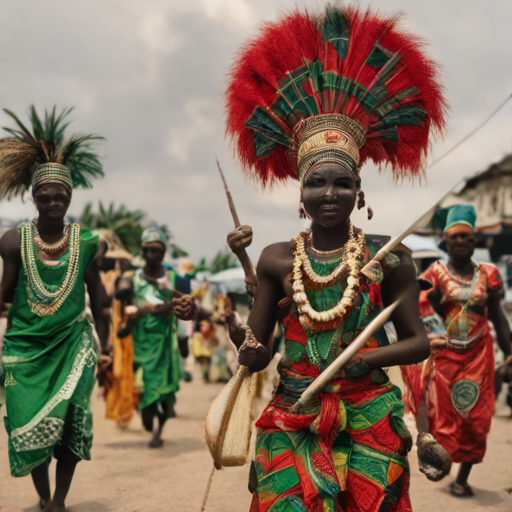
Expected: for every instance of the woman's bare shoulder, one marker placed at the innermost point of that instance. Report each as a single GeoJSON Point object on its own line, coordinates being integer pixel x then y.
{"type": "Point", "coordinates": [276, 256]}
{"type": "Point", "coordinates": [279, 249]}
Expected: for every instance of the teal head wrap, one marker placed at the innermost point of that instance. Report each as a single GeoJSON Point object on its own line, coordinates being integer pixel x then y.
{"type": "Point", "coordinates": [463, 214]}
{"type": "Point", "coordinates": [154, 235]}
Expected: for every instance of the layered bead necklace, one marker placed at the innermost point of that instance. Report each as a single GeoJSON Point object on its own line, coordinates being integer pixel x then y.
{"type": "Point", "coordinates": [304, 275]}
{"type": "Point", "coordinates": [51, 249]}
{"type": "Point", "coordinates": [43, 301]}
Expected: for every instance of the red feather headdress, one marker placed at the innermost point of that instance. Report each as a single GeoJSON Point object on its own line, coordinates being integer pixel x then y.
{"type": "Point", "coordinates": [345, 86]}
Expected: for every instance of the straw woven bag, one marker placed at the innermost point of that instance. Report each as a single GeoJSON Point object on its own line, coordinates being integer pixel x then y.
{"type": "Point", "coordinates": [228, 422]}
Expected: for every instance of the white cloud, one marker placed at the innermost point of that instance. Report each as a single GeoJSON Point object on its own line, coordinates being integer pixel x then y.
{"type": "Point", "coordinates": [149, 77]}
{"type": "Point", "coordinates": [198, 125]}
{"type": "Point", "coordinates": [154, 31]}
{"type": "Point", "coordinates": [237, 13]}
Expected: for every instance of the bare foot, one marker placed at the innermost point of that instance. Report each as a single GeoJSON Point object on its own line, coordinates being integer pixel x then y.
{"type": "Point", "coordinates": [461, 490]}
{"type": "Point", "coordinates": [156, 442]}
{"type": "Point", "coordinates": [50, 507]}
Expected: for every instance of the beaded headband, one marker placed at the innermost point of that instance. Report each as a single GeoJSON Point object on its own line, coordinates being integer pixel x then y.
{"type": "Point", "coordinates": [52, 172]}
{"type": "Point", "coordinates": [327, 138]}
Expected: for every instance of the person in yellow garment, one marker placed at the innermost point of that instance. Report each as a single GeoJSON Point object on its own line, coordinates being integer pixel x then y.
{"type": "Point", "coordinates": [119, 383]}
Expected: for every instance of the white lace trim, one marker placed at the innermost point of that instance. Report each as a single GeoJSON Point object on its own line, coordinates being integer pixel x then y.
{"type": "Point", "coordinates": [86, 357]}
{"type": "Point", "coordinates": [11, 359]}
{"type": "Point", "coordinates": [47, 433]}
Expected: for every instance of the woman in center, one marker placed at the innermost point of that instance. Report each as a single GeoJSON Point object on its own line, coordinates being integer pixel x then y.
{"type": "Point", "coordinates": [313, 98]}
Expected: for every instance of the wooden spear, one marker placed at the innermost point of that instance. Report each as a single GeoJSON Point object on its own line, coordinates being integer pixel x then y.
{"type": "Point", "coordinates": [381, 254]}
{"type": "Point", "coordinates": [250, 273]}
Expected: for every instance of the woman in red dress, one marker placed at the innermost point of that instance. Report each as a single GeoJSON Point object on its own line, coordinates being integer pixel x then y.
{"type": "Point", "coordinates": [458, 379]}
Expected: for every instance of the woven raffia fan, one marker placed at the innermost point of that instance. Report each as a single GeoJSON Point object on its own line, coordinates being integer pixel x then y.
{"type": "Point", "coordinates": [228, 422]}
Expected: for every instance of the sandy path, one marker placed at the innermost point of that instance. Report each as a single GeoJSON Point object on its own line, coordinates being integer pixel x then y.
{"type": "Point", "coordinates": [126, 476]}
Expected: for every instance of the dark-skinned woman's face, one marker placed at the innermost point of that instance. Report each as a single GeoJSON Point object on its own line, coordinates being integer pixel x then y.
{"type": "Point", "coordinates": [460, 245]}
{"type": "Point", "coordinates": [52, 201]}
{"type": "Point", "coordinates": [153, 253]}
{"type": "Point", "coordinates": [329, 195]}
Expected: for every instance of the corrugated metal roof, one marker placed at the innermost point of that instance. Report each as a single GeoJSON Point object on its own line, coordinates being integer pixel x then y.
{"type": "Point", "coordinates": [490, 192]}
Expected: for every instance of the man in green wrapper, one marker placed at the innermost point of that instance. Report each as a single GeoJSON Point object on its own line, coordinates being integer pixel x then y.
{"type": "Point", "coordinates": [50, 354]}
{"type": "Point", "coordinates": [153, 319]}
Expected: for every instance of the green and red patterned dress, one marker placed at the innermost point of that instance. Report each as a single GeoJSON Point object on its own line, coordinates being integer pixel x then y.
{"type": "Point", "coordinates": [343, 453]}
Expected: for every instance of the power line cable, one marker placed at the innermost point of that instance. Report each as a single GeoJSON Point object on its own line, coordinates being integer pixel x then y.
{"type": "Point", "coordinates": [471, 133]}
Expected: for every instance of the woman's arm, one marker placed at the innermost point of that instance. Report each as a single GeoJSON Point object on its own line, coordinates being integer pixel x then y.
{"type": "Point", "coordinates": [262, 319]}
{"type": "Point", "coordinates": [497, 317]}
{"type": "Point", "coordinates": [239, 239]}
{"type": "Point", "coordinates": [413, 344]}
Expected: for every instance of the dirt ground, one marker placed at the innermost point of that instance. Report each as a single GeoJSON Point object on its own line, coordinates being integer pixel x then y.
{"type": "Point", "coordinates": [124, 475]}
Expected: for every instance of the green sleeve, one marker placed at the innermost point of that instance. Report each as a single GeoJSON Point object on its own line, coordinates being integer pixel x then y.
{"type": "Point", "coordinates": [89, 246]}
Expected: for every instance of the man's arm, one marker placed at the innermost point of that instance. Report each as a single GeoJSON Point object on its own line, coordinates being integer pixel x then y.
{"type": "Point", "coordinates": [10, 251]}
{"type": "Point", "coordinates": [96, 294]}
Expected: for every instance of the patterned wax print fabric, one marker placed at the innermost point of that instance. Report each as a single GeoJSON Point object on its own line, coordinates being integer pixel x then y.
{"type": "Point", "coordinates": [156, 360]}
{"type": "Point", "coordinates": [459, 380]}
{"type": "Point", "coordinates": [344, 452]}
{"type": "Point", "coordinates": [49, 365]}
{"type": "Point", "coordinates": [414, 375]}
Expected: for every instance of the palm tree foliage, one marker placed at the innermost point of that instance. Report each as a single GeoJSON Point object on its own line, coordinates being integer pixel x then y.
{"type": "Point", "coordinates": [127, 224]}
{"type": "Point", "coordinates": [43, 140]}
{"type": "Point", "coordinates": [223, 260]}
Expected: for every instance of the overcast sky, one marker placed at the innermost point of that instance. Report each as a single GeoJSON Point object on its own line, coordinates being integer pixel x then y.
{"type": "Point", "coordinates": [149, 75]}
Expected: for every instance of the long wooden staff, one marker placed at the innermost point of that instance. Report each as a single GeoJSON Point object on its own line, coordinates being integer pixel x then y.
{"type": "Point", "coordinates": [242, 255]}
{"type": "Point", "coordinates": [381, 254]}
{"type": "Point", "coordinates": [394, 242]}
{"type": "Point", "coordinates": [345, 357]}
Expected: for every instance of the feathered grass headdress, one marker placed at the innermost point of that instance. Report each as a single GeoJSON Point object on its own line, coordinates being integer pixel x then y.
{"type": "Point", "coordinates": [40, 155]}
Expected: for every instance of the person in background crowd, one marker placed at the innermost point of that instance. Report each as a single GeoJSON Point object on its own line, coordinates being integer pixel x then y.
{"type": "Point", "coordinates": [158, 296]}
{"type": "Point", "coordinates": [204, 342]}
{"type": "Point", "coordinates": [456, 387]}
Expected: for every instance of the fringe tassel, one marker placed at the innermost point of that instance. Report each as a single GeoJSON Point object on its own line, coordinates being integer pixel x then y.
{"type": "Point", "coordinates": [207, 490]}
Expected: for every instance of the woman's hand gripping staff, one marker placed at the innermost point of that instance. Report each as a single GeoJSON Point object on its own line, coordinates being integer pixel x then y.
{"type": "Point", "coordinates": [241, 238]}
